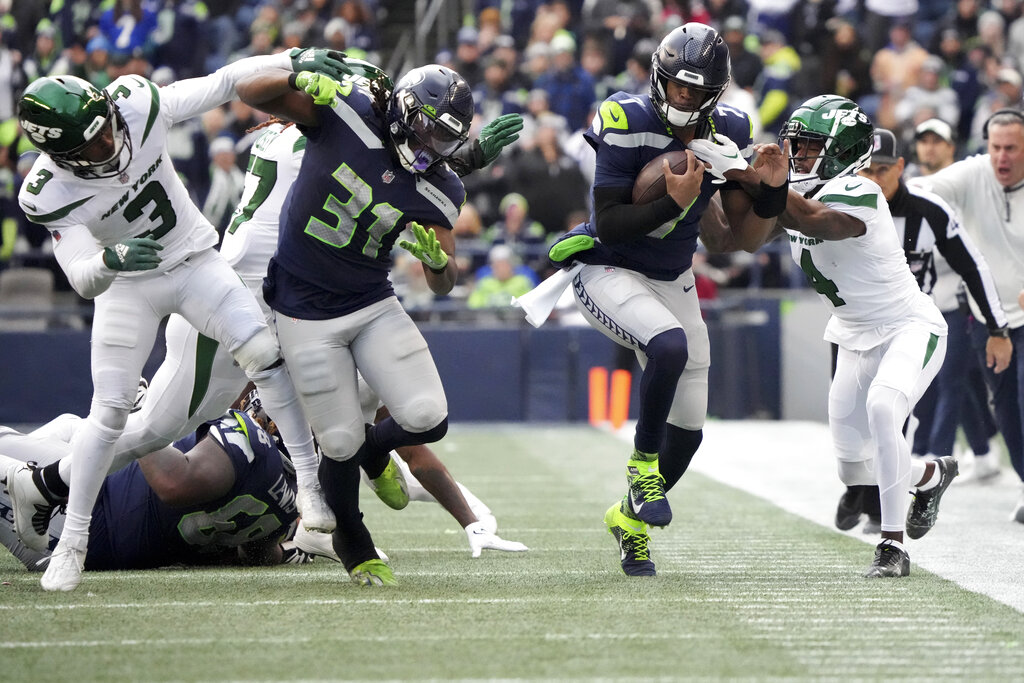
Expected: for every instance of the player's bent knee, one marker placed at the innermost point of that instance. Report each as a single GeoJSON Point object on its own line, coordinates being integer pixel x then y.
{"type": "Point", "coordinates": [423, 416]}
{"type": "Point", "coordinates": [261, 352]}
{"type": "Point", "coordinates": [109, 417]}
{"type": "Point", "coordinates": [857, 473]}
{"type": "Point", "coordinates": [669, 350]}
{"type": "Point", "coordinates": [340, 444]}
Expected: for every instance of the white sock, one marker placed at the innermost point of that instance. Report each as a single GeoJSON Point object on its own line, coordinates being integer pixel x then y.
{"type": "Point", "coordinates": [932, 481]}
{"type": "Point", "coordinates": [93, 447]}
{"type": "Point", "coordinates": [282, 406]}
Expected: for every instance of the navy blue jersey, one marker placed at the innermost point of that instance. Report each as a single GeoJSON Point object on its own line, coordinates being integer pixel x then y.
{"type": "Point", "coordinates": [132, 529]}
{"type": "Point", "coordinates": [350, 202]}
{"type": "Point", "coordinates": [628, 133]}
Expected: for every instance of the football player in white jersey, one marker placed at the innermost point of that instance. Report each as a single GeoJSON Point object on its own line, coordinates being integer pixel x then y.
{"type": "Point", "coordinates": [891, 336]}
{"type": "Point", "coordinates": [127, 235]}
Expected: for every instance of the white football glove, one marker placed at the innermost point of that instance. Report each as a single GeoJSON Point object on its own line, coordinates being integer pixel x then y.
{"type": "Point", "coordinates": [481, 539]}
{"type": "Point", "coordinates": [723, 156]}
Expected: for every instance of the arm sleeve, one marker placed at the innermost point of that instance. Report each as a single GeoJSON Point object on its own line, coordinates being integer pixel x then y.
{"type": "Point", "coordinates": [619, 220]}
{"type": "Point", "coordinates": [966, 260]}
{"type": "Point", "coordinates": [185, 99]}
{"type": "Point", "coordinates": [81, 258]}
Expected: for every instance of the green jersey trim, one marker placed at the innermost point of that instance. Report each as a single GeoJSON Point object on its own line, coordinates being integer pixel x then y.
{"type": "Point", "coordinates": [868, 200]}
{"type": "Point", "coordinates": [59, 213]}
{"type": "Point", "coordinates": [154, 109]}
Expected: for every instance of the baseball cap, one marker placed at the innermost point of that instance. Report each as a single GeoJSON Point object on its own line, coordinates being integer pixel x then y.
{"type": "Point", "coordinates": [467, 34]}
{"type": "Point", "coordinates": [937, 126]}
{"type": "Point", "coordinates": [883, 151]}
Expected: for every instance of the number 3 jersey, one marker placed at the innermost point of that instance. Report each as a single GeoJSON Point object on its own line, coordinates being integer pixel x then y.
{"type": "Point", "coordinates": [351, 200]}
{"type": "Point", "coordinates": [865, 281]}
{"type": "Point", "coordinates": [133, 529]}
{"type": "Point", "coordinates": [148, 199]}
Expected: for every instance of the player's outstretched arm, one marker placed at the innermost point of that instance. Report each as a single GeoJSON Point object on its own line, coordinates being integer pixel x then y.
{"type": "Point", "coordinates": [815, 219]}
{"type": "Point", "coordinates": [277, 92]}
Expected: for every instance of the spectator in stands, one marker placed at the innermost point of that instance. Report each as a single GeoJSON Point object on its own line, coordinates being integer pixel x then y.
{"type": "Point", "coordinates": [128, 26]}
{"type": "Point", "coordinates": [992, 32]}
{"type": "Point", "coordinates": [494, 96]}
{"type": "Point", "coordinates": [467, 56]}
{"type": "Point", "coordinates": [361, 22]}
{"type": "Point", "coordinates": [895, 68]}
{"type": "Point", "coordinates": [881, 14]}
{"type": "Point", "coordinates": [846, 64]}
{"type": "Point", "coordinates": [929, 93]}
{"type": "Point", "coordinates": [550, 180]}
{"type": "Point", "coordinates": [336, 34]}
{"type": "Point", "coordinates": [96, 62]}
{"type": "Point", "coordinates": [518, 230]}
{"type": "Point", "coordinates": [781, 65]}
{"type": "Point", "coordinates": [594, 61]}
{"type": "Point", "coordinates": [934, 148]}
{"type": "Point", "coordinates": [636, 79]}
{"type": "Point", "coordinates": [12, 76]}
{"type": "Point", "coordinates": [45, 60]}
{"type": "Point", "coordinates": [746, 65]}
{"type": "Point", "coordinates": [621, 23]}
{"type": "Point", "coordinates": [496, 288]}
{"type": "Point", "coordinates": [536, 62]}
{"type": "Point", "coordinates": [1015, 42]}
{"type": "Point", "coordinates": [569, 87]}
{"type": "Point", "coordinates": [963, 18]}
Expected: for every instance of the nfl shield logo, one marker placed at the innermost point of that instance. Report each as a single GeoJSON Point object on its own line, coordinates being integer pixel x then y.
{"type": "Point", "coordinates": [123, 178]}
{"type": "Point", "coordinates": [387, 177]}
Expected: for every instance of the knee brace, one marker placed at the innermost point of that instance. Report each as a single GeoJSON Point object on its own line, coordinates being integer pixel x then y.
{"type": "Point", "coordinates": [259, 353]}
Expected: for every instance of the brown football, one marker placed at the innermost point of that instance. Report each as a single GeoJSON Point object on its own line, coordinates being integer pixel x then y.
{"type": "Point", "coordinates": [650, 182]}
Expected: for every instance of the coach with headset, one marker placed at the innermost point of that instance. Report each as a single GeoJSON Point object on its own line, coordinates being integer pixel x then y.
{"type": "Point", "coordinates": [988, 191]}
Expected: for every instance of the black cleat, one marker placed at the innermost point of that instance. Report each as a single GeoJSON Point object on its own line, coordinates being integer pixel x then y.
{"type": "Point", "coordinates": [849, 511]}
{"type": "Point", "coordinates": [891, 561]}
{"type": "Point", "coordinates": [925, 508]}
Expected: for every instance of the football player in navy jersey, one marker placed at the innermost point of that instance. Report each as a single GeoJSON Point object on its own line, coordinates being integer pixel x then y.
{"type": "Point", "coordinates": [374, 165]}
{"type": "Point", "coordinates": [230, 500]}
{"type": "Point", "coordinates": [633, 279]}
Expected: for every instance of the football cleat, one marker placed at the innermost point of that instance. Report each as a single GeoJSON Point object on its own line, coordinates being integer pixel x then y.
{"type": "Point", "coordinates": [646, 497]}
{"type": "Point", "coordinates": [873, 525]}
{"type": "Point", "coordinates": [32, 503]}
{"type": "Point", "coordinates": [315, 543]}
{"type": "Point", "coordinates": [891, 561]}
{"type": "Point", "coordinates": [140, 395]}
{"type": "Point", "coordinates": [390, 487]}
{"type": "Point", "coordinates": [1018, 512]}
{"type": "Point", "coordinates": [291, 553]}
{"type": "Point", "coordinates": [986, 468]}
{"type": "Point", "coordinates": [373, 573]}
{"type": "Point", "coordinates": [848, 513]}
{"type": "Point", "coordinates": [64, 571]}
{"type": "Point", "coordinates": [925, 508]}
{"type": "Point", "coordinates": [631, 535]}
{"type": "Point", "coordinates": [316, 514]}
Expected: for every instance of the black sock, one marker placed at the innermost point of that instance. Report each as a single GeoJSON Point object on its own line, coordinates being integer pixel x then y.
{"type": "Point", "coordinates": [351, 538]}
{"type": "Point", "coordinates": [51, 482]}
{"type": "Point", "coordinates": [676, 454]}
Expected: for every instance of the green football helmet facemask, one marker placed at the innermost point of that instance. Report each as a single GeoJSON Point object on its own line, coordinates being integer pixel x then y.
{"type": "Point", "coordinates": [63, 115]}
{"type": "Point", "coordinates": [842, 130]}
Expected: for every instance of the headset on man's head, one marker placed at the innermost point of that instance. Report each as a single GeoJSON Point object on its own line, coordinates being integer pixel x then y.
{"type": "Point", "coordinates": [1013, 112]}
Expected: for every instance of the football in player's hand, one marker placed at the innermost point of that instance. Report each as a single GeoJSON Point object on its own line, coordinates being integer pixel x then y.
{"type": "Point", "coordinates": [650, 182]}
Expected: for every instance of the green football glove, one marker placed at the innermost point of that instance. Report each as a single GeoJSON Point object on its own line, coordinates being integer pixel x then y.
{"type": "Point", "coordinates": [135, 253]}
{"type": "Point", "coordinates": [426, 247]}
{"type": "Point", "coordinates": [322, 87]}
{"type": "Point", "coordinates": [499, 133]}
{"type": "Point", "coordinates": [320, 60]}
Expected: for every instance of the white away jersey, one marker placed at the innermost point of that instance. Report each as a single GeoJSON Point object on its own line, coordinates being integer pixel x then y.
{"type": "Point", "coordinates": [865, 281]}
{"type": "Point", "coordinates": [251, 239]}
{"type": "Point", "coordinates": [148, 199]}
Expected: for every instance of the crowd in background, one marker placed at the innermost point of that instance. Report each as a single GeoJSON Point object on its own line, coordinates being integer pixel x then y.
{"type": "Point", "coordinates": [554, 61]}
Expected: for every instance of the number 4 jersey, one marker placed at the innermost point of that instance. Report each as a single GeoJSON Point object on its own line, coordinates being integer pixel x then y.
{"type": "Point", "coordinates": [132, 529]}
{"type": "Point", "coordinates": [865, 280]}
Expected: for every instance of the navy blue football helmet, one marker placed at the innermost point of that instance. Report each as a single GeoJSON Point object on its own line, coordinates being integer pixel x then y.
{"type": "Point", "coordinates": [693, 55]}
{"type": "Point", "coordinates": [429, 116]}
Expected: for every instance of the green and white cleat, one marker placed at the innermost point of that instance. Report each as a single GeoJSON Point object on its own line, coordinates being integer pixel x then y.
{"type": "Point", "coordinates": [390, 486]}
{"type": "Point", "coordinates": [646, 497]}
{"type": "Point", "coordinates": [373, 573]}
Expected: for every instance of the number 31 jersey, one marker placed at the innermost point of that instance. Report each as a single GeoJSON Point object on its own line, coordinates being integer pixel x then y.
{"type": "Point", "coordinates": [148, 199]}
{"type": "Point", "coordinates": [346, 209]}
